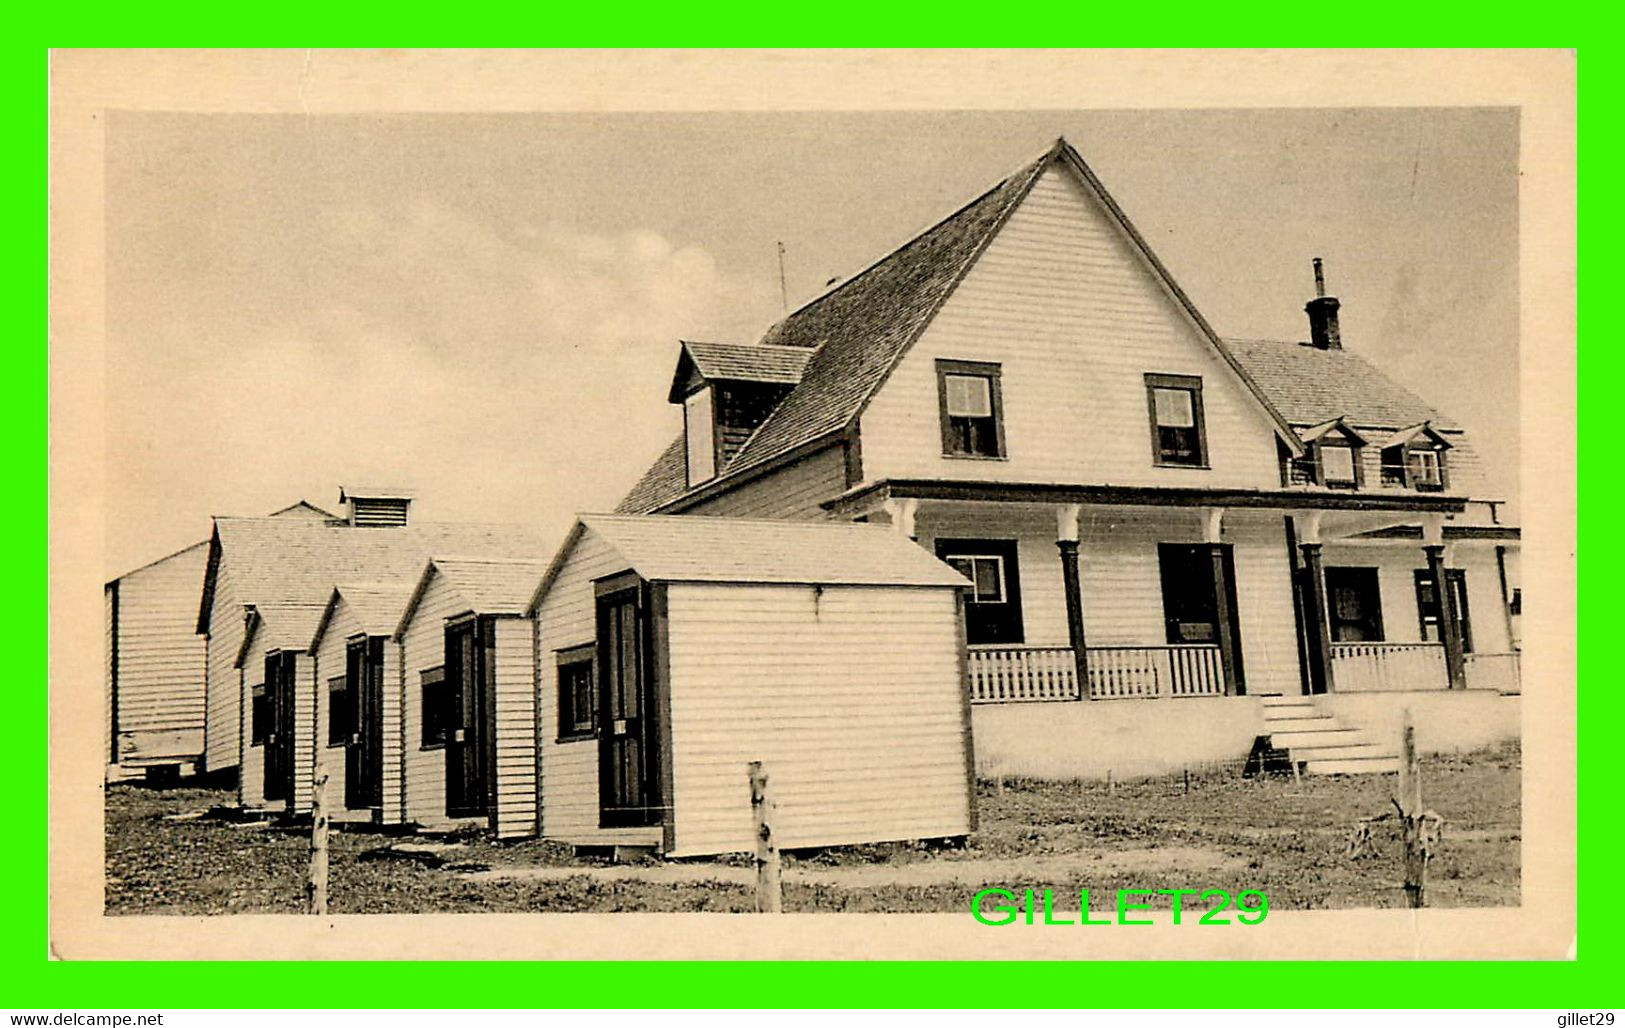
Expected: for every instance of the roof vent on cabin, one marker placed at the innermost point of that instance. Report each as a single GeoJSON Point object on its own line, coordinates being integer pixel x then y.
{"type": "Point", "coordinates": [375, 506]}
{"type": "Point", "coordinates": [1322, 311]}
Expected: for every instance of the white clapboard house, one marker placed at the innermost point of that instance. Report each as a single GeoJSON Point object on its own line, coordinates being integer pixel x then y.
{"type": "Point", "coordinates": [268, 607]}
{"type": "Point", "coordinates": [155, 661]}
{"type": "Point", "coordinates": [1178, 542]}
{"type": "Point", "coordinates": [672, 652]}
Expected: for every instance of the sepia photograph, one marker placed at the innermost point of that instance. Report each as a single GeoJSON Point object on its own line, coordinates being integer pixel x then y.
{"type": "Point", "coordinates": [1052, 514]}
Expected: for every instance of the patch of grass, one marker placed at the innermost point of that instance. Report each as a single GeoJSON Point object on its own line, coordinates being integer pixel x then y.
{"type": "Point", "coordinates": [1278, 835]}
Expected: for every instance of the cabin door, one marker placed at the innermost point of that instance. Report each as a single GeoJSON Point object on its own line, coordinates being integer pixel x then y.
{"type": "Point", "coordinates": [628, 786]}
{"type": "Point", "coordinates": [468, 696]}
{"type": "Point", "coordinates": [993, 615]}
{"type": "Point", "coordinates": [280, 672]}
{"type": "Point", "coordinates": [363, 752]}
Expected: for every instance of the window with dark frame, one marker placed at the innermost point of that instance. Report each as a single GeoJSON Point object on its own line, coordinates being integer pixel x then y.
{"type": "Point", "coordinates": [986, 574]}
{"type": "Point", "coordinates": [341, 711]}
{"type": "Point", "coordinates": [577, 707]}
{"type": "Point", "coordinates": [259, 716]}
{"type": "Point", "coordinates": [971, 409]}
{"type": "Point", "coordinates": [1339, 465]}
{"type": "Point", "coordinates": [436, 716]}
{"type": "Point", "coordinates": [1426, 468]}
{"type": "Point", "coordinates": [1178, 436]}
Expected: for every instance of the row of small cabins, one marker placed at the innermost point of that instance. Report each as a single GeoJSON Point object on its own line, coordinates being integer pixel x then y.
{"type": "Point", "coordinates": [931, 523]}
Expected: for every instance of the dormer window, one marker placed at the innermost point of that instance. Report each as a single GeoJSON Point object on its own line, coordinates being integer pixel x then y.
{"type": "Point", "coordinates": [1415, 458]}
{"type": "Point", "coordinates": [1331, 459]}
{"type": "Point", "coordinates": [699, 427]}
{"type": "Point", "coordinates": [971, 409]}
{"type": "Point", "coordinates": [1178, 437]}
{"type": "Point", "coordinates": [1338, 466]}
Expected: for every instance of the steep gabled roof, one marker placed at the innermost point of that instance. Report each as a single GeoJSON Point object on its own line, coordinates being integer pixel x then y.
{"type": "Point", "coordinates": [674, 548]}
{"type": "Point", "coordinates": [487, 585]}
{"type": "Point", "coordinates": [1339, 425]}
{"type": "Point", "coordinates": [1311, 386]}
{"type": "Point", "coordinates": [377, 605]}
{"type": "Point", "coordinates": [860, 330]}
{"type": "Point", "coordinates": [302, 509]}
{"type": "Point", "coordinates": [280, 626]}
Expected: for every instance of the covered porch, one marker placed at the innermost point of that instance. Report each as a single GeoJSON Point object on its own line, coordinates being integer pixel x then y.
{"type": "Point", "coordinates": [1095, 593]}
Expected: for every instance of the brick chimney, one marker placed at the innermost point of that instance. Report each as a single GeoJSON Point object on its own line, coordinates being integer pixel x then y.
{"type": "Point", "coordinates": [1322, 311]}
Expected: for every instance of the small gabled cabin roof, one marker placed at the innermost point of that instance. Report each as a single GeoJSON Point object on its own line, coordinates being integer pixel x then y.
{"type": "Point", "coordinates": [294, 560]}
{"type": "Point", "coordinates": [486, 585]}
{"type": "Point", "coordinates": [859, 330]}
{"type": "Point", "coordinates": [1312, 386]}
{"type": "Point", "coordinates": [675, 548]}
{"type": "Point", "coordinates": [279, 626]}
{"type": "Point", "coordinates": [302, 509]}
{"type": "Point", "coordinates": [736, 362]}
{"type": "Point", "coordinates": [1406, 436]}
{"type": "Point", "coordinates": [1315, 433]}
{"type": "Point", "coordinates": [377, 605]}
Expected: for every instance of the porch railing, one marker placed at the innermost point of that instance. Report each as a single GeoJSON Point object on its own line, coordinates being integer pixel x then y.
{"type": "Point", "coordinates": [1022, 674]}
{"type": "Point", "coordinates": [1388, 667]}
{"type": "Point", "coordinates": [1497, 671]}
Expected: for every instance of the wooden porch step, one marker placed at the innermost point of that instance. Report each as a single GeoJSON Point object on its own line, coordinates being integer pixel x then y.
{"type": "Point", "coordinates": [1322, 737]}
{"type": "Point", "coordinates": [1373, 765]}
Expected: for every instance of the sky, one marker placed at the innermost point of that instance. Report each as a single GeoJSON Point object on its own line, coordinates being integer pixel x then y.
{"type": "Point", "coordinates": [486, 308]}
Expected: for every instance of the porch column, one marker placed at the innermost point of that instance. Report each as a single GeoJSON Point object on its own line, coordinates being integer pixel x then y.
{"type": "Point", "coordinates": [1066, 540]}
{"type": "Point", "coordinates": [1317, 630]}
{"type": "Point", "coordinates": [902, 513]}
{"type": "Point", "coordinates": [1455, 665]}
{"type": "Point", "coordinates": [1212, 533]}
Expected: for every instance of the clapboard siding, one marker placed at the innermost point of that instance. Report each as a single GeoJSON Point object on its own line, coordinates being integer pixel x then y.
{"type": "Point", "coordinates": [1076, 319]}
{"type": "Point", "coordinates": [305, 731]}
{"type": "Point", "coordinates": [792, 493]}
{"type": "Point", "coordinates": [224, 725]}
{"type": "Point", "coordinates": [161, 660]}
{"type": "Point", "coordinates": [860, 715]}
{"type": "Point", "coordinates": [1122, 581]}
{"type": "Point", "coordinates": [569, 771]}
{"type": "Point", "coordinates": [515, 728]}
{"type": "Point", "coordinates": [423, 646]}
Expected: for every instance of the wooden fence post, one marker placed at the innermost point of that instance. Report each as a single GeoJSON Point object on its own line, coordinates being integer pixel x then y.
{"type": "Point", "coordinates": [316, 886]}
{"type": "Point", "coordinates": [1411, 815]}
{"type": "Point", "coordinates": [769, 893]}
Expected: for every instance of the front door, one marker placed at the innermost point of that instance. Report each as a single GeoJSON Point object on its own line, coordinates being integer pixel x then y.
{"type": "Point", "coordinates": [1353, 604]}
{"type": "Point", "coordinates": [993, 615]}
{"type": "Point", "coordinates": [280, 672]}
{"type": "Point", "coordinates": [363, 750]}
{"type": "Point", "coordinates": [1191, 609]}
{"type": "Point", "coordinates": [628, 785]}
{"type": "Point", "coordinates": [468, 701]}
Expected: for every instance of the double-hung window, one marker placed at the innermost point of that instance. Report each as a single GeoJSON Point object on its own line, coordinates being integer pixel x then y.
{"type": "Point", "coordinates": [971, 409]}
{"type": "Point", "coordinates": [1178, 437]}
{"type": "Point", "coordinates": [576, 688]}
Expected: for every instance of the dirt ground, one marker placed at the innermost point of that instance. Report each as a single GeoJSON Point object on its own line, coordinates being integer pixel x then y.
{"type": "Point", "coordinates": [173, 852]}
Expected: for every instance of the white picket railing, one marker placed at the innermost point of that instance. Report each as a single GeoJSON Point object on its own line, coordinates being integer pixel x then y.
{"type": "Point", "coordinates": [1497, 671]}
{"type": "Point", "coordinates": [1025, 674]}
{"type": "Point", "coordinates": [1388, 667]}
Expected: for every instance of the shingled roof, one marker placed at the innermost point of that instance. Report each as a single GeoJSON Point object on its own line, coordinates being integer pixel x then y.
{"type": "Point", "coordinates": [674, 548]}
{"type": "Point", "coordinates": [1311, 386]}
{"type": "Point", "coordinates": [488, 585]}
{"type": "Point", "coordinates": [293, 560]}
{"type": "Point", "coordinates": [859, 330]}
{"type": "Point", "coordinates": [738, 362]}
{"type": "Point", "coordinates": [377, 605]}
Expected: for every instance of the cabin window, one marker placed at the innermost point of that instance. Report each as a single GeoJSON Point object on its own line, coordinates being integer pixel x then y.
{"type": "Point", "coordinates": [340, 711]}
{"type": "Point", "coordinates": [699, 427]}
{"type": "Point", "coordinates": [259, 716]}
{"type": "Point", "coordinates": [1178, 437]}
{"type": "Point", "coordinates": [436, 716]}
{"type": "Point", "coordinates": [576, 713]}
{"type": "Point", "coordinates": [1430, 611]}
{"type": "Point", "coordinates": [1354, 604]}
{"type": "Point", "coordinates": [971, 409]}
